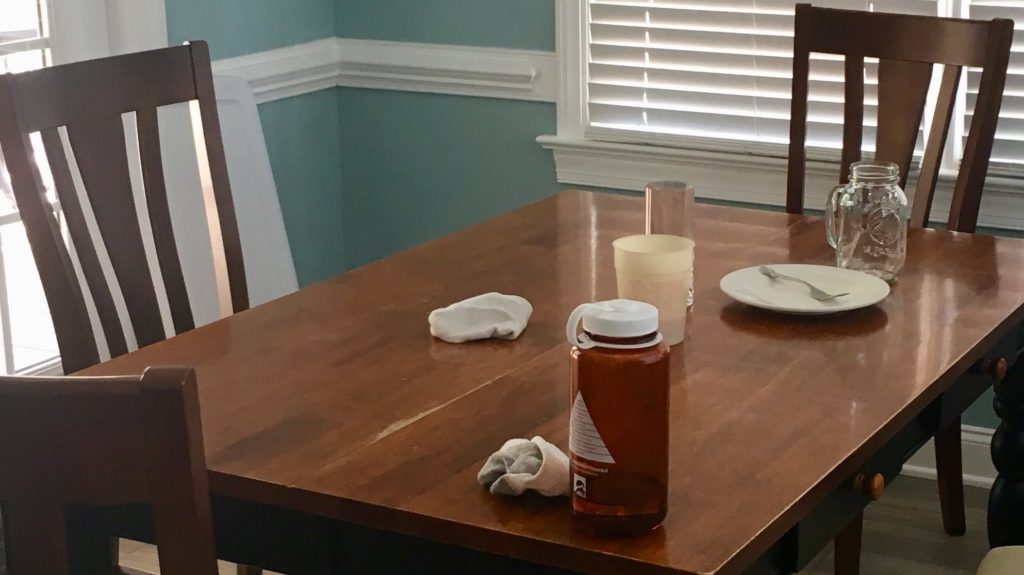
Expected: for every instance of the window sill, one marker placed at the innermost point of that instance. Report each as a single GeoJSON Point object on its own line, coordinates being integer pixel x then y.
{"type": "Point", "coordinates": [49, 368]}
{"type": "Point", "coordinates": [740, 176]}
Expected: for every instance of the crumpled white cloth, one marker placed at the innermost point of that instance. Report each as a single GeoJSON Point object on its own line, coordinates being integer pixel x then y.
{"type": "Point", "coordinates": [481, 317]}
{"type": "Point", "coordinates": [523, 464]}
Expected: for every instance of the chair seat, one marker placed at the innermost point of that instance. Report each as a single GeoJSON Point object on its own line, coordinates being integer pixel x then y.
{"type": "Point", "coordinates": [1003, 561]}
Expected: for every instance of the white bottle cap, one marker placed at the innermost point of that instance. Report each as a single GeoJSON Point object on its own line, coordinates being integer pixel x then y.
{"type": "Point", "coordinates": [613, 318]}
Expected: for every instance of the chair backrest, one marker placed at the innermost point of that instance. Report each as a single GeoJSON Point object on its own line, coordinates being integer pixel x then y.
{"type": "Point", "coordinates": [103, 441]}
{"type": "Point", "coordinates": [78, 111]}
{"type": "Point", "coordinates": [907, 48]}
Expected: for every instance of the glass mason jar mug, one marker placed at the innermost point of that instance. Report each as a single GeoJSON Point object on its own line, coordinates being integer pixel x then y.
{"type": "Point", "coordinates": [866, 220]}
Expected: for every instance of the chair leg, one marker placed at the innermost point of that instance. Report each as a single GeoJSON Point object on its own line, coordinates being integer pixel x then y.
{"type": "Point", "coordinates": [949, 468]}
{"type": "Point", "coordinates": [847, 547]}
{"type": "Point", "coordinates": [249, 570]}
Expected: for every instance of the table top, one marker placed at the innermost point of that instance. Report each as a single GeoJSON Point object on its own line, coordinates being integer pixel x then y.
{"type": "Point", "coordinates": [335, 400]}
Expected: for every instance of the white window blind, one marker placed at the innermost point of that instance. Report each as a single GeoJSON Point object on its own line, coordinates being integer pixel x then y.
{"type": "Point", "coordinates": [672, 71]}
{"type": "Point", "coordinates": [1008, 150]}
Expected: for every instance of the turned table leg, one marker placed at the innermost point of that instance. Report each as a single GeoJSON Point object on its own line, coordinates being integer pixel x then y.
{"type": "Point", "coordinates": [1006, 500]}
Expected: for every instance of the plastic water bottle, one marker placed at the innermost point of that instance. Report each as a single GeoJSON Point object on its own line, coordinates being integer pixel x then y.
{"type": "Point", "coordinates": [618, 434]}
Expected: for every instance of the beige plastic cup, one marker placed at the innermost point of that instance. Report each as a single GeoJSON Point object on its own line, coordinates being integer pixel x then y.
{"type": "Point", "coordinates": [657, 269]}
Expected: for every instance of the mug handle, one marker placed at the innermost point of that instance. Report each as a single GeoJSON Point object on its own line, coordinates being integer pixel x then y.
{"type": "Point", "coordinates": [831, 205]}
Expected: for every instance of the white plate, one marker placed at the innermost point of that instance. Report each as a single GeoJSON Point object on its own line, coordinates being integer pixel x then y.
{"type": "Point", "coordinates": [751, 287]}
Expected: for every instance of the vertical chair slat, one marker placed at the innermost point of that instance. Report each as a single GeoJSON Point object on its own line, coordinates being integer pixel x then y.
{"type": "Point", "coordinates": [963, 212]}
{"type": "Point", "coordinates": [104, 170]}
{"type": "Point", "coordinates": [798, 113]}
{"type": "Point", "coordinates": [902, 94]}
{"type": "Point", "coordinates": [944, 105]}
{"type": "Point", "coordinates": [84, 246]}
{"type": "Point", "coordinates": [160, 220]}
{"type": "Point", "coordinates": [853, 114]}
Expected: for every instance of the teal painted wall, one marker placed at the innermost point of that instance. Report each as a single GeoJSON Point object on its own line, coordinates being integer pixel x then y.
{"type": "Point", "coordinates": [528, 24]}
{"type": "Point", "coordinates": [982, 413]}
{"type": "Point", "coordinates": [304, 150]}
{"type": "Point", "coordinates": [237, 27]}
{"type": "Point", "coordinates": [301, 134]}
{"type": "Point", "coordinates": [416, 166]}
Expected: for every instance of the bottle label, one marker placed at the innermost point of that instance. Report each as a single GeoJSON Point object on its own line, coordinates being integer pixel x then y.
{"type": "Point", "coordinates": [584, 438]}
{"type": "Point", "coordinates": [579, 485]}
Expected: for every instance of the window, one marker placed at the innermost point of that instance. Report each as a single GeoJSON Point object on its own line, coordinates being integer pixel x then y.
{"type": "Point", "coordinates": [667, 70]}
{"type": "Point", "coordinates": [33, 34]}
{"type": "Point", "coordinates": [699, 90]}
{"type": "Point", "coordinates": [24, 35]}
{"type": "Point", "coordinates": [27, 341]}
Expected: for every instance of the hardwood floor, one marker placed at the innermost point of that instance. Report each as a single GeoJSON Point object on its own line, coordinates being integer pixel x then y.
{"type": "Point", "coordinates": [141, 559]}
{"type": "Point", "coordinates": [902, 534]}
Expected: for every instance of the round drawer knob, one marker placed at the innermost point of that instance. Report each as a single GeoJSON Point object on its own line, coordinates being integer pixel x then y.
{"type": "Point", "coordinates": [994, 367]}
{"type": "Point", "coordinates": [870, 485]}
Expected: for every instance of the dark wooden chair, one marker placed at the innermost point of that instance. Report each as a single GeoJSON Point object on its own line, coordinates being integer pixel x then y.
{"type": "Point", "coordinates": [78, 108]}
{"type": "Point", "coordinates": [907, 47]}
{"type": "Point", "coordinates": [82, 104]}
{"type": "Point", "coordinates": [103, 441]}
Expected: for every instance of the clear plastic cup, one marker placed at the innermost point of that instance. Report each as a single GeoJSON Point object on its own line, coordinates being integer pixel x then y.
{"type": "Point", "coordinates": [670, 210]}
{"type": "Point", "coordinates": [657, 269]}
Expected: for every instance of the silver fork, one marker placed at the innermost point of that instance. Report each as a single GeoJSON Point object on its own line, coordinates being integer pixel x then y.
{"type": "Point", "coordinates": [816, 292]}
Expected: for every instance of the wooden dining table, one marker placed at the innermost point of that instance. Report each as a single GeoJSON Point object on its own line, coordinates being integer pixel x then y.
{"type": "Point", "coordinates": [341, 437]}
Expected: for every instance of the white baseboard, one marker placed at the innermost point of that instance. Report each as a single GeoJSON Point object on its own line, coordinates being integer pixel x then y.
{"type": "Point", "coordinates": [978, 468]}
{"type": "Point", "coordinates": [405, 66]}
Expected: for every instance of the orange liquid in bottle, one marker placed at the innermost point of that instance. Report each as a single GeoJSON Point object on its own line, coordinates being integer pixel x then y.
{"type": "Point", "coordinates": [619, 436]}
